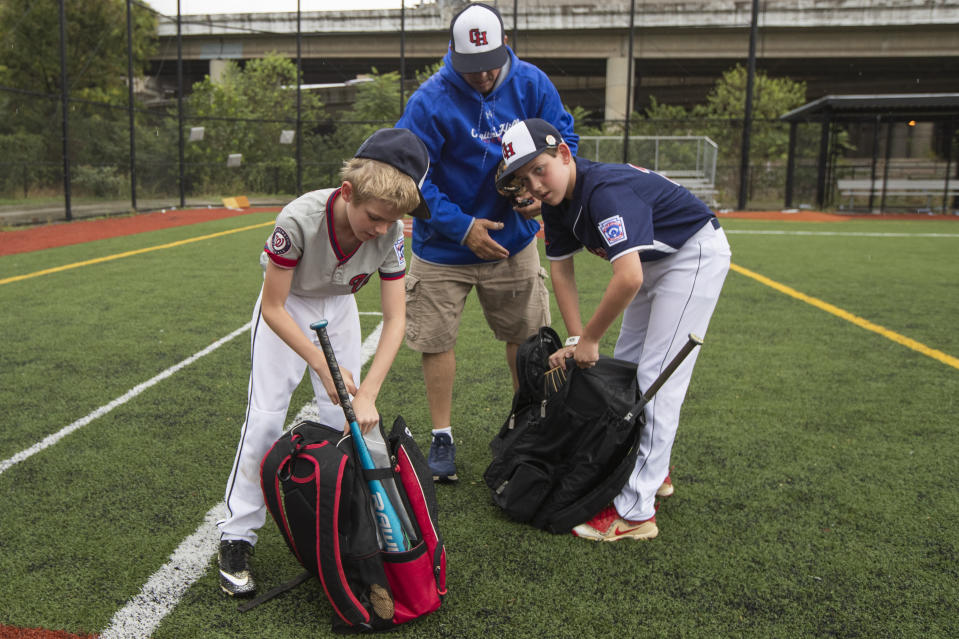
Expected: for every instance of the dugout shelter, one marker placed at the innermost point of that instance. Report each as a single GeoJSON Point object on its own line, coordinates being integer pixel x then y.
{"type": "Point", "coordinates": [882, 114]}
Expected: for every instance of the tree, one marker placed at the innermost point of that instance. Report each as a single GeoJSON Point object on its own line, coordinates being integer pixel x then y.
{"type": "Point", "coordinates": [96, 52]}
{"type": "Point", "coordinates": [245, 111]}
{"type": "Point", "coordinates": [772, 97]}
{"type": "Point", "coordinates": [96, 70]}
{"type": "Point", "coordinates": [376, 106]}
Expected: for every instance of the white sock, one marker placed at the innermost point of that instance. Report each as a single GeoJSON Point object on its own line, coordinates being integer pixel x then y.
{"type": "Point", "coordinates": [448, 430]}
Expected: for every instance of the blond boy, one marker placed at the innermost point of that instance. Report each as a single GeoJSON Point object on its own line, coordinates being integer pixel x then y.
{"type": "Point", "coordinates": [324, 247]}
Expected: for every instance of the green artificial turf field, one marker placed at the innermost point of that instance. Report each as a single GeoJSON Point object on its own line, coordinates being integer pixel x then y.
{"type": "Point", "coordinates": [815, 467]}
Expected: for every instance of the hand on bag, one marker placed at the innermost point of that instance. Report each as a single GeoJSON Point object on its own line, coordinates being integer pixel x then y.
{"type": "Point", "coordinates": [586, 353]}
{"type": "Point", "coordinates": [559, 357]}
{"type": "Point", "coordinates": [367, 416]}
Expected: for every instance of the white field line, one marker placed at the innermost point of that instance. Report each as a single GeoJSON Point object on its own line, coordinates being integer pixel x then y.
{"type": "Point", "coordinates": [838, 233]}
{"type": "Point", "coordinates": [50, 440]}
{"type": "Point", "coordinates": [141, 616]}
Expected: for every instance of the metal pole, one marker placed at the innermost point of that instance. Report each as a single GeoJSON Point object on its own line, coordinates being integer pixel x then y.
{"type": "Point", "coordinates": [179, 104]}
{"type": "Point", "coordinates": [875, 161]}
{"type": "Point", "coordinates": [629, 81]}
{"type": "Point", "coordinates": [822, 162]}
{"type": "Point", "coordinates": [402, 54]}
{"type": "Point", "coordinates": [299, 104]}
{"type": "Point", "coordinates": [515, 21]}
{"type": "Point", "coordinates": [791, 164]}
{"type": "Point", "coordinates": [950, 129]}
{"type": "Point", "coordinates": [885, 168]}
{"type": "Point", "coordinates": [64, 107]}
{"type": "Point", "coordinates": [748, 115]}
{"type": "Point", "coordinates": [133, 145]}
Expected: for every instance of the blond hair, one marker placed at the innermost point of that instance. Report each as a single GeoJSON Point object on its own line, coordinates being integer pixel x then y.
{"type": "Point", "coordinates": [375, 180]}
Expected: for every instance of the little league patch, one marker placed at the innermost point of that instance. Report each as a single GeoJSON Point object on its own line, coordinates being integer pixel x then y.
{"type": "Point", "coordinates": [613, 230]}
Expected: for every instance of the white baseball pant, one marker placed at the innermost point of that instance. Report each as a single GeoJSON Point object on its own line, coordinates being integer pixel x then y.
{"type": "Point", "coordinates": [276, 371]}
{"type": "Point", "coordinates": [678, 296]}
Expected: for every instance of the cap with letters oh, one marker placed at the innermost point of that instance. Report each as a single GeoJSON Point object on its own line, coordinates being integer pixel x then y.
{"type": "Point", "coordinates": [405, 152]}
{"type": "Point", "coordinates": [524, 141]}
{"type": "Point", "coordinates": [476, 39]}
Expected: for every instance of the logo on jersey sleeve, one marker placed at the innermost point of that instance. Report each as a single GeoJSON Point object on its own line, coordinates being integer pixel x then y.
{"type": "Point", "coordinates": [613, 230]}
{"type": "Point", "coordinates": [280, 242]}
{"type": "Point", "coordinates": [398, 248]}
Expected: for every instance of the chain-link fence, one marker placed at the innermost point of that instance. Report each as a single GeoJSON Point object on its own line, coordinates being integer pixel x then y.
{"type": "Point", "coordinates": [231, 126]}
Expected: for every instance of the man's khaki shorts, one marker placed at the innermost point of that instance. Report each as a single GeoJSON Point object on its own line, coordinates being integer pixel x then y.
{"type": "Point", "coordinates": [512, 293]}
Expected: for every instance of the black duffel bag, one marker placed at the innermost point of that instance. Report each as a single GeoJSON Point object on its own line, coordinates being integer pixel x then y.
{"type": "Point", "coordinates": [570, 441]}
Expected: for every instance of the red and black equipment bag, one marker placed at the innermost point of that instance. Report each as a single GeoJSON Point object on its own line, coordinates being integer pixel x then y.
{"type": "Point", "coordinates": [318, 495]}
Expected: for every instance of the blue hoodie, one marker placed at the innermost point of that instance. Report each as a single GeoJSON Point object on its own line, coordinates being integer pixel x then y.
{"type": "Point", "coordinates": [462, 130]}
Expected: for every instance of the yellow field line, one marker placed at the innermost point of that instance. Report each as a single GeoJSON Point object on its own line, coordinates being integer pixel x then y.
{"type": "Point", "coordinates": [118, 256]}
{"type": "Point", "coordinates": [949, 360]}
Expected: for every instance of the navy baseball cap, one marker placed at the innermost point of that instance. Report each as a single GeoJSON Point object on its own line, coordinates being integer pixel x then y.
{"type": "Point", "coordinates": [476, 39]}
{"type": "Point", "coordinates": [401, 149]}
{"type": "Point", "coordinates": [524, 141]}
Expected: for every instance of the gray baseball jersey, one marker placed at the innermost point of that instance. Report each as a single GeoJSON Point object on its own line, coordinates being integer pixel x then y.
{"type": "Point", "coordinates": [304, 239]}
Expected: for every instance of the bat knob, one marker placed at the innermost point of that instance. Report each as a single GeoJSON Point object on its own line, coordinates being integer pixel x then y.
{"type": "Point", "coordinates": [696, 339]}
{"type": "Point", "coordinates": [318, 325]}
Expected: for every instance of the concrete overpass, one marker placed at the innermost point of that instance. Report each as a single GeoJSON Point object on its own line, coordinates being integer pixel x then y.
{"type": "Point", "coordinates": [681, 46]}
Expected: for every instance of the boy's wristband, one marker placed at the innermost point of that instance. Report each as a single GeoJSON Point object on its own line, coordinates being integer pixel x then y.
{"type": "Point", "coordinates": [572, 340]}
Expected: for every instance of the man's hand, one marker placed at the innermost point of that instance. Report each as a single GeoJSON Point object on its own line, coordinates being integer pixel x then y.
{"type": "Point", "coordinates": [479, 241]}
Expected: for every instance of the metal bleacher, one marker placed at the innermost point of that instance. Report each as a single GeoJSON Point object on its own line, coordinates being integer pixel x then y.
{"type": "Point", "coordinates": [689, 160]}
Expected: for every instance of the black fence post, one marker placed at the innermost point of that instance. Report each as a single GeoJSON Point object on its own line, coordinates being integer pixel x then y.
{"type": "Point", "coordinates": [133, 144]}
{"type": "Point", "coordinates": [885, 168]}
{"type": "Point", "coordinates": [748, 115]}
{"type": "Point", "coordinates": [791, 164]}
{"type": "Point", "coordinates": [402, 55]}
{"type": "Point", "coordinates": [950, 131]}
{"type": "Point", "coordinates": [65, 108]}
{"type": "Point", "coordinates": [515, 28]}
{"type": "Point", "coordinates": [179, 104]}
{"type": "Point", "coordinates": [823, 160]}
{"type": "Point", "coordinates": [629, 81]}
{"type": "Point", "coordinates": [875, 161]}
{"type": "Point", "coordinates": [299, 102]}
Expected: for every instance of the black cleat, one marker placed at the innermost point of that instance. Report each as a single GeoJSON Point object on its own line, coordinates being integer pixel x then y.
{"type": "Point", "coordinates": [234, 561]}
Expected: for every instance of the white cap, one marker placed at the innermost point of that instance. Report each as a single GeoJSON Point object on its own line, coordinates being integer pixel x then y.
{"type": "Point", "coordinates": [476, 39]}
{"type": "Point", "coordinates": [524, 141]}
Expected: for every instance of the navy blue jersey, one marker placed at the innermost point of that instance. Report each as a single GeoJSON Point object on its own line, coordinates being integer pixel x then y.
{"type": "Point", "coordinates": [621, 208]}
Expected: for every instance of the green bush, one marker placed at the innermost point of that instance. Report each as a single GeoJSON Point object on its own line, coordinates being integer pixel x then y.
{"type": "Point", "coordinates": [99, 181]}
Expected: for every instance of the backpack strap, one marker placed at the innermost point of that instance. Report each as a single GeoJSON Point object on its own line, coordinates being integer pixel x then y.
{"type": "Point", "coordinates": [378, 473]}
{"type": "Point", "coordinates": [274, 592]}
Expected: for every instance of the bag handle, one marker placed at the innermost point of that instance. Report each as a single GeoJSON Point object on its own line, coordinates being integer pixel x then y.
{"type": "Point", "coordinates": [274, 592]}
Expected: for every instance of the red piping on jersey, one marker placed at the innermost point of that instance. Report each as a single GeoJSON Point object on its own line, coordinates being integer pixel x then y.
{"type": "Point", "coordinates": [392, 276]}
{"type": "Point", "coordinates": [283, 262]}
{"type": "Point", "coordinates": [331, 229]}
